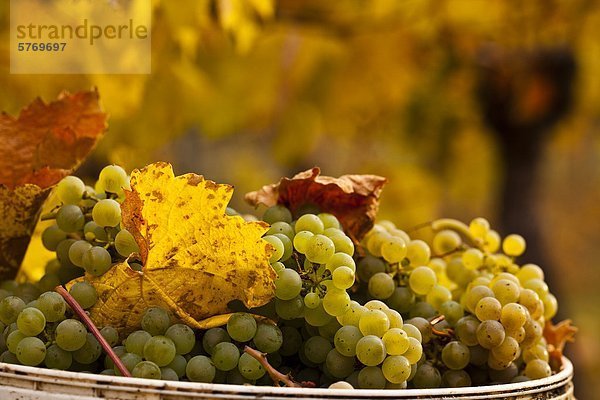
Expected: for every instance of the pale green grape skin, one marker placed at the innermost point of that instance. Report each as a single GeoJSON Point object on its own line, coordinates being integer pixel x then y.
{"type": "Point", "coordinates": [374, 322]}
{"type": "Point", "coordinates": [336, 302]}
{"type": "Point", "coordinates": [249, 367]}
{"type": "Point", "coordinates": [343, 278]}
{"type": "Point", "coordinates": [136, 341]}
{"type": "Point", "coordinates": [352, 314]}
{"type": "Point", "coordinates": [70, 335]}
{"type": "Point", "coordinates": [381, 286]}
{"type": "Point", "coordinates": [268, 338]}
{"type": "Point", "coordinates": [291, 309]}
{"type": "Point", "coordinates": [316, 349]}
{"type": "Point", "coordinates": [401, 300]}
{"type": "Point", "coordinates": [10, 307]}
{"type": "Point", "coordinates": [427, 377]}
{"type": "Point", "coordinates": [329, 221]}
{"type": "Point", "coordinates": [292, 340]}
{"type": "Point", "coordinates": [212, 337]}
{"type": "Point", "coordinates": [125, 244]}
{"type": "Point", "coordinates": [130, 360]}
{"type": "Point", "coordinates": [394, 317]}
{"type": "Point", "coordinates": [241, 327]}
{"type": "Point", "coordinates": [396, 369]}
{"type": "Point", "coordinates": [182, 336]}
{"type": "Point", "coordinates": [225, 356]}
{"type": "Point", "coordinates": [288, 247]}
{"type": "Point", "coordinates": [70, 218]}
{"type": "Point", "coordinates": [319, 249]}
{"type": "Point", "coordinates": [513, 316]}
{"type": "Point", "coordinates": [113, 179]}
{"type": "Point", "coordinates": [301, 241]}
{"type": "Point", "coordinates": [475, 294]}
{"type": "Point", "coordinates": [345, 340]}
{"type": "Point", "coordinates": [178, 365]}
{"type": "Point", "coordinates": [84, 293]}
{"type": "Point", "coordinates": [339, 365]}
{"type": "Point", "coordinates": [452, 311]}
{"type": "Point", "coordinates": [488, 308]}
{"type": "Point", "coordinates": [466, 330]}
{"type": "Point", "coordinates": [31, 321]}
{"type": "Point", "coordinates": [288, 284]}
{"type": "Point", "coordinates": [506, 291]}
{"type": "Point", "coordinates": [77, 250]}
{"type": "Point", "coordinates": [312, 300]}
{"type": "Point", "coordinates": [311, 223]}
{"type": "Point", "coordinates": [111, 335]}
{"type": "Point", "coordinates": [529, 271]}
{"type": "Point", "coordinates": [446, 241]}
{"type": "Point", "coordinates": [490, 334]}
{"type": "Point", "coordinates": [276, 245]}
{"type": "Point", "coordinates": [422, 280]}
{"type": "Point", "coordinates": [277, 213]}
{"type": "Point", "coordinates": [393, 249]}
{"type": "Point", "coordinates": [52, 236]}
{"type": "Point", "coordinates": [507, 351]}
{"type": "Point", "coordinates": [200, 369]}
{"type": "Point", "coordinates": [70, 190]}
{"type": "Point", "coordinates": [338, 260]}
{"type": "Point", "coordinates": [31, 351]}
{"type": "Point", "coordinates": [455, 355]}
{"type": "Point", "coordinates": [283, 228]}
{"type": "Point", "coordinates": [52, 305]}
{"type": "Point", "coordinates": [160, 350]}
{"type": "Point", "coordinates": [89, 352]}
{"type": "Point", "coordinates": [13, 339]}
{"type": "Point", "coordinates": [96, 261]}
{"type": "Point", "coordinates": [414, 351]}
{"type": "Point", "coordinates": [155, 321]}
{"type": "Point", "coordinates": [107, 213]}
{"type": "Point", "coordinates": [396, 341]}
{"type": "Point", "coordinates": [418, 252]}
{"type": "Point", "coordinates": [513, 245]}
{"type": "Point", "coordinates": [537, 369]}
{"type": "Point", "coordinates": [370, 350]}
{"type": "Point", "coordinates": [371, 378]}
{"type": "Point", "coordinates": [146, 370]}
{"type": "Point", "coordinates": [168, 374]}
{"type": "Point", "coordinates": [57, 358]}
{"type": "Point", "coordinates": [340, 385]}
{"type": "Point", "coordinates": [343, 244]}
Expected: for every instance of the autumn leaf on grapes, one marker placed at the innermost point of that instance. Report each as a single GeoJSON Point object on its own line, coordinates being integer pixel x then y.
{"type": "Point", "coordinates": [195, 258]}
{"type": "Point", "coordinates": [38, 148]}
{"type": "Point", "coordinates": [353, 199]}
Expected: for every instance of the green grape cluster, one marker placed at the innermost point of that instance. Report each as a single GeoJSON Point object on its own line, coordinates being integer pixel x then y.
{"type": "Point", "coordinates": [86, 235]}
{"type": "Point", "coordinates": [391, 312]}
{"type": "Point", "coordinates": [39, 329]}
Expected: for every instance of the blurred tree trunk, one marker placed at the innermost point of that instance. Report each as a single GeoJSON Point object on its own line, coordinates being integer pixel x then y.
{"type": "Point", "coordinates": [523, 96]}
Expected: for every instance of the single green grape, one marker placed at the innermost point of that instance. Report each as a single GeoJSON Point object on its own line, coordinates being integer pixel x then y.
{"type": "Point", "coordinates": [106, 213]}
{"type": "Point", "coordinates": [70, 218]}
{"type": "Point", "coordinates": [113, 179]}
{"type": "Point", "coordinates": [70, 190]}
{"type": "Point", "coordinates": [31, 321]}
{"type": "Point", "coordinates": [241, 327]}
{"type": "Point", "coordinates": [155, 321]}
{"type": "Point", "coordinates": [31, 351]}
{"type": "Point", "coordinates": [84, 293]}
{"type": "Point", "coordinates": [182, 336]}
{"type": "Point", "coordinates": [125, 244]}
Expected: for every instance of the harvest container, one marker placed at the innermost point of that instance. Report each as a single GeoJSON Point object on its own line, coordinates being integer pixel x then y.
{"type": "Point", "coordinates": [28, 383]}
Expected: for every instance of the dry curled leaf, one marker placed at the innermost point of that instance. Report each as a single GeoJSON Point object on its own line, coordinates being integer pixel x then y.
{"type": "Point", "coordinates": [195, 258]}
{"type": "Point", "coordinates": [353, 199]}
{"type": "Point", "coordinates": [39, 147]}
{"type": "Point", "coordinates": [557, 336]}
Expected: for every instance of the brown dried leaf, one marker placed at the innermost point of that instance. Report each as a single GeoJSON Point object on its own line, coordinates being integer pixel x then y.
{"type": "Point", "coordinates": [557, 337]}
{"type": "Point", "coordinates": [353, 199]}
{"type": "Point", "coordinates": [39, 147]}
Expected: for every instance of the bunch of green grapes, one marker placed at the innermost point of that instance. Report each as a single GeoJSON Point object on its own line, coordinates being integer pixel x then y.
{"type": "Point", "coordinates": [481, 315]}
{"type": "Point", "coordinates": [87, 234]}
{"type": "Point", "coordinates": [38, 329]}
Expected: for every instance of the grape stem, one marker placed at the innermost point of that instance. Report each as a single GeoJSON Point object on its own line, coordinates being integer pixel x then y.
{"type": "Point", "coordinates": [48, 216]}
{"type": "Point", "coordinates": [435, 331]}
{"type": "Point", "coordinates": [93, 329]}
{"type": "Point", "coordinates": [277, 377]}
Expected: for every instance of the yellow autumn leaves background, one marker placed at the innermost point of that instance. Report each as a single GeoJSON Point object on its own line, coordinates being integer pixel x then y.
{"type": "Point", "coordinates": [445, 98]}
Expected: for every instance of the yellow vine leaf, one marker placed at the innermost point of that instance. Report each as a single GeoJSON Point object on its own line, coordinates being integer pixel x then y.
{"type": "Point", "coordinates": [195, 258]}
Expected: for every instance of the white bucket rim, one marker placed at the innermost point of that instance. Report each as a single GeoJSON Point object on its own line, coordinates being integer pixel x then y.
{"type": "Point", "coordinates": [104, 382]}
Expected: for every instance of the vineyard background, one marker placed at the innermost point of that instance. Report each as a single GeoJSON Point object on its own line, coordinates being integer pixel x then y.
{"type": "Point", "coordinates": [469, 107]}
